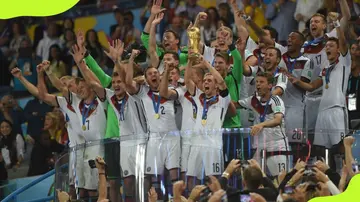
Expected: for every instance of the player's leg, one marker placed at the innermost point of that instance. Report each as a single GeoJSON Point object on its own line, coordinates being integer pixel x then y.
{"type": "Point", "coordinates": [80, 173]}
{"type": "Point", "coordinates": [128, 156]}
{"type": "Point", "coordinates": [213, 161]}
{"type": "Point", "coordinates": [112, 159]}
{"type": "Point", "coordinates": [172, 148]}
{"type": "Point", "coordinates": [321, 136]}
{"type": "Point", "coordinates": [72, 168]}
{"type": "Point", "coordinates": [194, 169]}
{"type": "Point", "coordinates": [311, 117]}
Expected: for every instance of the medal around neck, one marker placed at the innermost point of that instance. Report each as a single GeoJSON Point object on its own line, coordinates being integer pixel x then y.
{"type": "Point", "coordinates": [157, 116]}
{"type": "Point", "coordinates": [83, 127]}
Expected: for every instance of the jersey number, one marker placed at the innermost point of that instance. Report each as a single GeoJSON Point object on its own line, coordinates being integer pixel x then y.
{"type": "Point", "coordinates": [162, 108]}
{"type": "Point", "coordinates": [88, 124]}
{"type": "Point", "coordinates": [281, 166]}
{"type": "Point", "coordinates": [216, 167]}
{"type": "Point", "coordinates": [318, 59]}
{"type": "Point", "coordinates": [296, 135]}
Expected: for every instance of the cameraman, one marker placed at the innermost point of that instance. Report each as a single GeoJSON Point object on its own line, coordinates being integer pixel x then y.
{"type": "Point", "coordinates": [253, 179]}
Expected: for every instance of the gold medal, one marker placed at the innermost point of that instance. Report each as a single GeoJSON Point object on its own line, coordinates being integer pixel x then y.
{"type": "Point", "coordinates": [83, 127]}
{"type": "Point", "coordinates": [327, 86]}
{"type": "Point", "coordinates": [157, 116]}
{"type": "Point", "coordinates": [203, 122]}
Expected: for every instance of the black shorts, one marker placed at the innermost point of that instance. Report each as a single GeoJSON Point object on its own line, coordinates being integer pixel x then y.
{"type": "Point", "coordinates": [112, 159]}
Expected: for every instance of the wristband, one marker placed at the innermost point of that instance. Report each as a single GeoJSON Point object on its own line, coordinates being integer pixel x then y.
{"type": "Point", "coordinates": [86, 54]}
{"type": "Point", "coordinates": [49, 71]}
{"type": "Point", "coordinates": [336, 24]}
{"type": "Point", "coordinates": [246, 18]}
{"type": "Point", "coordinates": [226, 175]}
{"type": "Point", "coordinates": [101, 173]}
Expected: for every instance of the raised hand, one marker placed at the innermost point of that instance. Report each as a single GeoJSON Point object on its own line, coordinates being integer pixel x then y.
{"type": "Point", "coordinates": [152, 195]}
{"type": "Point", "coordinates": [16, 72]}
{"type": "Point", "coordinates": [45, 65]}
{"type": "Point", "coordinates": [134, 54]}
{"type": "Point", "coordinates": [80, 41]}
{"type": "Point", "coordinates": [158, 19]}
{"type": "Point", "coordinates": [115, 50]}
{"type": "Point", "coordinates": [333, 16]}
{"type": "Point", "coordinates": [240, 45]}
{"type": "Point", "coordinates": [348, 141]}
{"type": "Point", "coordinates": [156, 7]}
{"type": "Point", "coordinates": [39, 68]}
{"type": "Point", "coordinates": [77, 54]}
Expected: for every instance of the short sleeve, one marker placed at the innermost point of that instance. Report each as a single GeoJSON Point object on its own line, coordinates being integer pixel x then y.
{"type": "Point", "coordinates": [75, 100]}
{"type": "Point", "coordinates": [143, 90]}
{"type": "Point", "coordinates": [281, 48]}
{"type": "Point", "coordinates": [251, 45]}
{"type": "Point", "coordinates": [181, 92]}
{"type": "Point", "coordinates": [248, 54]}
{"type": "Point", "coordinates": [61, 101]}
{"type": "Point", "coordinates": [307, 71]}
{"type": "Point", "coordinates": [198, 92]}
{"type": "Point", "coordinates": [209, 54]}
{"type": "Point", "coordinates": [277, 105]}
{"type": "Point", "coordinates": [245, 103]}
{"type": "Point", "coordinates": [346, 59]}
{"type": "Point", "coordinates": [254, 70]}
{"type": "Point", "coordinates": [282, 81]}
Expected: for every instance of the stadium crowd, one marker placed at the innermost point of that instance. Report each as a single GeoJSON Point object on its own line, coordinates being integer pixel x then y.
{"type": "Point", "coordinates": [235, 103]}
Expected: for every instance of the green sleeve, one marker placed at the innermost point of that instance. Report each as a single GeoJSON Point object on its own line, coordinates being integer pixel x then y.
{"type": "Point", "coordinates": [112, 125]}
{"type": "Point", "coordinates": [238, 67]}
{"type": "Point", "coordinates": [145, 41]}
{"type": "Point", "coordinates": [105, 79]}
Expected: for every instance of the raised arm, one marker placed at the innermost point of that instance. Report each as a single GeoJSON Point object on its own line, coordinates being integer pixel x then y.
{"type": "Point", "coordinates": [56, 81]}
{"type": "Point", "coordinates": [189, 83]}
{"type": "Point", "coordinates": [165, 91]}
{"type": "Point", "coordinates": [340, 33]}
{"type": "Point", "coordinates": [241, 44]}
{"type": "Point", "coordinates": [43, 93]}
{"type": "Point", "coordinates": [131, 86]}
{"type": "Point", "coordinates": [239, 21]}
{"type": "Point", "coordinates": [16, 72]}
{"type": "Point", "coordinates": [346, 15]}
{"type": "Point", "coordinates": [260, 33]}
{"type": "Point", "coordinates": [152, 40]}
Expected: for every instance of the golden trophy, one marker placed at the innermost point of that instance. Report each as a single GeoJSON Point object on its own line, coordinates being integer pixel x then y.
{"type": "Point", "coordinates": [194, 40]}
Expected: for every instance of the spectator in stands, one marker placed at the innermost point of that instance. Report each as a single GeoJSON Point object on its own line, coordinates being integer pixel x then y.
{"type": "Point", "coordinates": [11, 111]}
{"type": "Point", "coordinates": [41, 30]}
{"type": "Point", "coordinates": [255, 10]}
{"type": "Point", "coordinates": [54, 126]}
{"type": "Point", "coordinates": [34, 112]}
{"type": "Point", "coordinates": [210, 25]}
{"type": "Point", "coordinates": [119, 22]}
{"type": "Point", "coordinates": [57, 66]}
{"type": "Point", "coordinates": [5, 76]}
{"type": "Point", "coordinates": [18, 35]}
{"type": "Point", "coordinates": [68, 23]}
{"type": "Point", "coordinates": [305, 10]}
{"type": "Point", "coordinates": [191, 8]}
{"type": "Point", "coordinates": [42, 158]}
{"type": "Point", "coordinates": [281, 17]}
{"type": "Point", "coordinates": [225, 13]}
{"type": "Point", "coordinates": [94, 47]}
{"type": "Point", "coordinates": [129, 34]}
{"type": "Point", "coordinates": [68, 42]}
{"type": "Point", "coordinates": [52, 38]}
{"type": "Point", "coordinates": [13, 143]}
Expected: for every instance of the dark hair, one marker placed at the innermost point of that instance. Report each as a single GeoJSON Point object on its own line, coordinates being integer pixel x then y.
{"type": "Point", "coordinates": [278, 52]}
{"type": "Point", "coordinates": [273, 33]}
{"type": "Point", "coordinates": [118, 10]}
{"type": "Point", "coordinates": [253, 178]}
{"type": "Point", "coordinates": [269, 77]}
{"type": "Point", "coordinates": [9, 142]}
{"type": "Point", "coordinates": [301, 35]}
{"type": "Point", "coordinates": [96, 37]}
{"type": "Point", "coordinates": [72, 23]}
{"type": "Point", "coordinates": [176, 35]}
{"type": "Point", "coordinates": [217, 17]}
{"type": "Point", "coordinates": [336, 40]}
{"type": "Point", "coordinates": [69, 30]}
{"type": "Point", "coordinates": [58, 49]}
{"type": "Point", "coordinates": [115, 74]}
{"type": "Point", "coordinates": [21, 26]}
{"type": "Point", "coordinates": [174, 54]}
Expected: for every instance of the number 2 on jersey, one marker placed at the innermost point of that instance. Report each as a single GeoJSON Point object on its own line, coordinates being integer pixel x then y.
{"type": "Point", "coordinates": [162, 109]}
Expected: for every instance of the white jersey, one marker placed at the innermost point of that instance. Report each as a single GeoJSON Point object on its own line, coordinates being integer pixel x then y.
{"type": "Point", "coordinates": [92, 118]}
{"type": "Point", "coordinates": [335, 78]}
{"type": "Point", "coordinates": [281, 79]}
{"type": "Point", "coordinates": [298, 67]}
{"type": "Point", "coordinates": [161, 118]}
{"type": "Point", "coordinates": [73, 125]}
{"type": "Point", "coordinates": [209, 131]}
{"type": "Point", "coordinates": [271, 139]}
{"type": "Point", "coordinates": [315, 51]}
{"type": "Point", "coordinates": [189, 108]}
{"type": "Point", "coordinates": [129, 115]}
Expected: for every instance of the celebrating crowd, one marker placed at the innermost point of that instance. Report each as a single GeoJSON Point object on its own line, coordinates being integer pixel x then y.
{"type": "Point", "coordinates": [178, 115]}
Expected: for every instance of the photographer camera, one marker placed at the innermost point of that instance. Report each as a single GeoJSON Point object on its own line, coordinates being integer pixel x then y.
{"type": "Point", "coordinates": [253, 178]}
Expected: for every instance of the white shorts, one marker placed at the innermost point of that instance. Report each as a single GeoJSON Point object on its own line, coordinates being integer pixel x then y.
{"type": "Point", "coordinates": [294, 124]}
{"type": "Point", "coordinates": [311, 112]}
{"type": "Point", "coordinates": [274, 164]}
{"type": "Point", "coordinates": [79, 163]}
{"type": "Point", "coordinates": [162, 152]}
{"type": "Point", "coordinates": [132, 158]}
{"type": "Point", "coordinates": [91, 178]}
{"type": "Point", "coordinates": [331, 127]}
{"type": "Point", "coordinates": [185, 152]}
{"type": "Point", "coordinates": [72, 165]}
{"type": "Point", "coordinates": [205, 160]}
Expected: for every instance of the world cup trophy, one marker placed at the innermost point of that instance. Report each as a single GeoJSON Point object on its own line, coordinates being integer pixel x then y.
{"type": "Point", "coordinates": [194, 40]}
